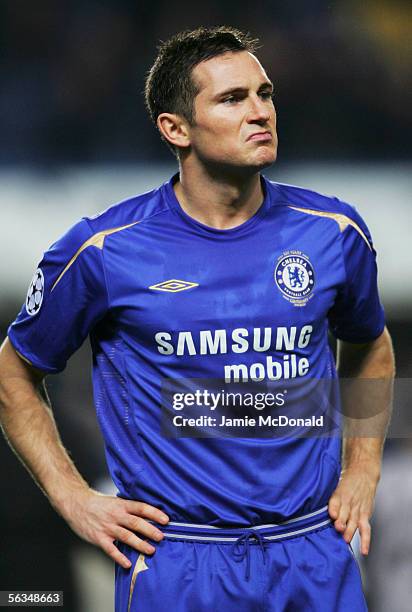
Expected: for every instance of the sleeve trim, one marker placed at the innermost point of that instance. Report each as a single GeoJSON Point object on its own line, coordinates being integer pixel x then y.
{"type": "Point", "coordinates": [342, 220]}
{"type": "Point", "coordinates": [106, 286]}
{"type": "Point", "coordinates": [32, 360]}
{"type": "Point", "coordinates": [97, 240]}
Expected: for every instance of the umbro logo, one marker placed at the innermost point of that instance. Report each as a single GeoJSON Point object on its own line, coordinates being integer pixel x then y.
{"type": "Point", "coordinates": [173, 286]}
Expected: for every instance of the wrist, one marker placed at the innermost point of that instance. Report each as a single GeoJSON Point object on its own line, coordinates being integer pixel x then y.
{"type": "Point", "coordinates": [67, 498]}
{"type": "Point", "coordinates": [366, 466]}
{"type": "Point", "coordinates": [362, 454]}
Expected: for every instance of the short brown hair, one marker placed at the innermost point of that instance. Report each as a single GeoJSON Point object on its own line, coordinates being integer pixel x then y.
{"type": "Point", "coordinates": [169, 85]}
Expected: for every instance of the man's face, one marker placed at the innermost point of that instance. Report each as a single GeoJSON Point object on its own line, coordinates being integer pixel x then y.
{"type": "Point", "coordinates": [235, 119]}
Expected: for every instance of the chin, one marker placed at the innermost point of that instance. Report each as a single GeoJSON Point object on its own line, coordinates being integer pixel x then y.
{"type": "Point", "coordinates": [265, 158]}
{"type": "Point", "coordinates": [241, 165]}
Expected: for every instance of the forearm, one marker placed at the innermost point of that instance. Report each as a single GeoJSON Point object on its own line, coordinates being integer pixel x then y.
{"type": "Point", "coordinates": [363, 454]}
{"type": "Point", "coordinates": [366, 372]}
{"type": "Point", "coordinates": [30, 429]}
{"type": "Point", "coordinates": [364, 433]}
{"type": "Point", "coordinates": [367, 402]}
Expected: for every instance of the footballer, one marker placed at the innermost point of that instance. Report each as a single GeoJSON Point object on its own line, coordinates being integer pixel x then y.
{"type": "Point", "coordinates": [218, 273]}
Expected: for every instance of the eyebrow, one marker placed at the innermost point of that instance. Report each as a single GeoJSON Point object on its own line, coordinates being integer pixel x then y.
{"type": "Point", "coordinates": [236, 90]}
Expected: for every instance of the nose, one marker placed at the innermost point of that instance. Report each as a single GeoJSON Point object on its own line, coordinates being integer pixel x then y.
{"type": "Point", "coordinates": [259, 111]}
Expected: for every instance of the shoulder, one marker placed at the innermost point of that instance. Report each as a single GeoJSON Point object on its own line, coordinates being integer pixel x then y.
{"type": "Point", "coordinates": [128, 213]}
{"type": "Point", "coordinates": [93, 231]}
{"type": "Point", "coordinates": [131, 211]}
{"type": "Point", "coordinates": [316, 205]}
{"type": "Point", "coordinates": [300, 197]}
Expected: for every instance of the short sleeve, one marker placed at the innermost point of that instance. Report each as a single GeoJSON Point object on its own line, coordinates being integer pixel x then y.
{"type": "Point", "coordinates": [357, 315]}
{"type": "Point", "coordinates": [66, 298]}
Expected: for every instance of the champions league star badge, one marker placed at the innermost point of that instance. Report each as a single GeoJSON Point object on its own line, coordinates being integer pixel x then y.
{"type": "Point", "coordinates": [295, 277]}
{"type": "Point", "coordinates": [35, 293]}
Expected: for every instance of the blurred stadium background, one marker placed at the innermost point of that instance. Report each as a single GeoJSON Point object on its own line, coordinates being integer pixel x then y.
{"type": "Point", "coordinates": [75, 138]}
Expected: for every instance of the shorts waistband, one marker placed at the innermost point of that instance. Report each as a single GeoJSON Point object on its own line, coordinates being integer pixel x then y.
{"type": "Point", "coordinates": [293, 527]}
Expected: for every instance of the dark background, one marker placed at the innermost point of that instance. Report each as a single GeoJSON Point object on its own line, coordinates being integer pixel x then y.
{"type": "Point", "coordinates": [72, 75]}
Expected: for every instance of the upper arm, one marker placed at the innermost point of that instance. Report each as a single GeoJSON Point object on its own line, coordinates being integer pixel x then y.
{"type": "Point", "coordinates": [13, 365]}
{"type": "Point", "coordinates": [18, 379]}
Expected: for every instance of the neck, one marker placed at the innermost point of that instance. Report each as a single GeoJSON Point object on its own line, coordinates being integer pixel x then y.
{"type": "Point", "coordinates": [220, 201]}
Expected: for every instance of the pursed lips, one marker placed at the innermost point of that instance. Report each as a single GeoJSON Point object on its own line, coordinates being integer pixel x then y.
{"type": "Point", "coordinates": [260, 136]}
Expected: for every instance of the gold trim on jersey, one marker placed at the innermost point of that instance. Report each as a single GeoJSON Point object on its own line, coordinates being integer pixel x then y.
{"type": "Point", "coordinates": [140, 566]}
{"type": "Point", "coordinates": [342, 220]}
{"type": "Point", "coordinates": [23, 357]}
{"type": "Point", "coordinates": [97, 240]}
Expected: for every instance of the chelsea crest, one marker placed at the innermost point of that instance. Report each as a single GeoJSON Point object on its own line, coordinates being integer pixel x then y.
{"type": "Point", "coordinates": [295, 277]}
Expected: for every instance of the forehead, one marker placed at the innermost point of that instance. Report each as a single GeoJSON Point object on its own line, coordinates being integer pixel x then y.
{"type": "Point", "coordinates": [230, 69]}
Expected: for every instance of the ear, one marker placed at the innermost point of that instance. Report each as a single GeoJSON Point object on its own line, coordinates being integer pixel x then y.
{"type": "Point", "coordinates": [174, 129]}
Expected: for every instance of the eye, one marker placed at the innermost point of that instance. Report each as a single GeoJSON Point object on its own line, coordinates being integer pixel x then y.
{"type": "Point", "coordinates": [231, 100]}
{"type": "Point", "coordinates": [266, 95]}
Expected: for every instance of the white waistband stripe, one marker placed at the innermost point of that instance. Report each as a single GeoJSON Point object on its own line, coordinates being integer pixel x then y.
{"type": "Point", "coordinates": [293, 520]}
{"type": "Point", "coordinates": [278, 536]}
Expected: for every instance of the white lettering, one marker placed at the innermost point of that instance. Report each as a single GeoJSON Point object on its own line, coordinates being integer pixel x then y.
{"type": "Point", "coordinates": [304, 336]}
{"type": "Point", "coordinates": [266, 342]}
{"type": "Point", "coordinates": [303, 366]}
{"type": "Point", "coordinates": [213, 344]}
{"type": "Point", "coordinates": [234, 372]}
{"type": "Point", "coordinates": [283, 340]}
{"type": "Point", "coordinates": [164, 347]}
{"type": "Point", "coordinates": [185, 338]}
{"type": "Point", "coordinates": [274, 369]}
{"type": "Point", "coordinates": [257, 371]}
{"type": "Point", "coordinates": [242, 343]}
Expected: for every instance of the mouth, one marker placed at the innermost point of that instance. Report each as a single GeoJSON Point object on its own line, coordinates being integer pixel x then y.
{"type": "Point", "coordinates": [260, 136]}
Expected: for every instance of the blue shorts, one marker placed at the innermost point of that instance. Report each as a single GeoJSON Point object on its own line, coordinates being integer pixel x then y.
{"type": "Point", "coordinates": [302, 565]}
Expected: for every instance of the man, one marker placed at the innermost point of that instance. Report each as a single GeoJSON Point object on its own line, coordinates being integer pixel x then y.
{"type": "Point", "coordinates": [218, 273]}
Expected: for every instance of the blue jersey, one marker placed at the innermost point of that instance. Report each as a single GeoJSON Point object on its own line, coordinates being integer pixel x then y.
{"type": "Point", "coordinates": [163, 296]}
